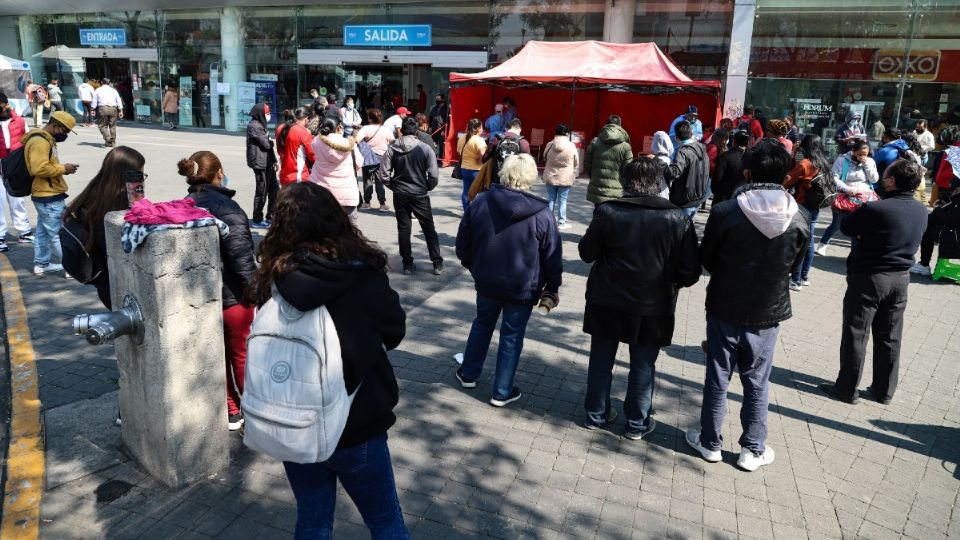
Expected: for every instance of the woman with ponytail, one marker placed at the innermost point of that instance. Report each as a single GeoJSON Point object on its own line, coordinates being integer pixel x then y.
{"type": "Point", "coordinates": [338, 163]}
{"type": "Point", "coordinates": [293, 146]}
{"type": "Point", "coordinates": [208, 188]}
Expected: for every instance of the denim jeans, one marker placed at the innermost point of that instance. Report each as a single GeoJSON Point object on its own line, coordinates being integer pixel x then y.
{"type": "Point", "coordinates": [366, 473]}
{"type": "Point", "coordinates": [833, 227]}
{"type": "Point", "coordinates": [639, 399]}
{"type": "Point", "coordinates": [46, 241]}
{"type": "Point", "coordinates": [692, 210]}
{"type": "Point", "coordinates": [515, 317]}
{"type": "Point", "coordinates": [557, 197]}
{"type": "Point", "coordinates": [802, 272]}
{"type": "Point", "coordinates": [469, 175]}
{"type": "Point", "coordinates": [748, 350]}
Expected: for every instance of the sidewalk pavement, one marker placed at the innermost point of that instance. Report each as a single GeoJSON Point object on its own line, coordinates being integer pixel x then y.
{"type": "Point", "coordinates": [465, 469]}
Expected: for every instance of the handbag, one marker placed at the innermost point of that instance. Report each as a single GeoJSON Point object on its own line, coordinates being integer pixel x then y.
{"type": "Point", "coordinates": [370, 158]}
{"type": "Point", "coordinates": [458, 168]}
{"type": "Point", "coordinates": [848, 203]}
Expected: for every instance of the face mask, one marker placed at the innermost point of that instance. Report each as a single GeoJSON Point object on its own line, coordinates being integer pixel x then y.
{"type": "Point", "coordinates": [269, 117]}
{"type": "Point", "coordinates": [226, 181]}
{"type": "Point", "coordinates": [60, 137]}
{"type": "Point", "coordinates": [349, 106]}
{"type": "Point", "coordinates": [438, 101]}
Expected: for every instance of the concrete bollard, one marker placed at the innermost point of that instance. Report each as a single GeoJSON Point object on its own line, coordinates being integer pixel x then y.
{"type": "Point", "coordinates": [172, 384]}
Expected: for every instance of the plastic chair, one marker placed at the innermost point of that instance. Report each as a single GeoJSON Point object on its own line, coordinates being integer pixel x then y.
{"type": "Point", "coordinates": [946, 269]}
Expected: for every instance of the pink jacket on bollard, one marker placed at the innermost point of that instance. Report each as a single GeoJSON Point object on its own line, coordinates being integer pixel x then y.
{"type": "Point", "coordinates": [335, 170]}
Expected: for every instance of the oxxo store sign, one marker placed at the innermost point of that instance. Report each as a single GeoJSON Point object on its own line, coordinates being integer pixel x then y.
{"type": "Point", "coordinates": [920, 65]}
{"type": "Point", "coordinates": [388, 35]}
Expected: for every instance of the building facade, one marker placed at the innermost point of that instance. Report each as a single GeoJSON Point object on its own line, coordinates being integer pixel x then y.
{"type": "Point", "coordinates": [813, 59]}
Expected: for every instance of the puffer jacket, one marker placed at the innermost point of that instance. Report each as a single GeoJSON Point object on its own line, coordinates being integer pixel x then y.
{"type": "Point", "coordinates": [236, 249]}
{"type": "Point", "coordinates": [688, 175]}
{"type": "Point", "coordinates": [562, 162]}
{"type": "Point", "coordinates": [260, 154]}
{"type": "Point", "coordinates": [509, 241]}
{"type": "Point", "coordinates": [643, 250]}
{"type": "Point", "coordinates": [409, 167]}
{"type": "Point", "coordinates": [17, 128]}
{"type": "Point", "coordinates": [335, 168]}
{"type": "Point", "coordinates": [750, 245]}
{"type": "Point", "coordinates": [889, 153]}
{"type": "Point", "coordinates": [607, 153]}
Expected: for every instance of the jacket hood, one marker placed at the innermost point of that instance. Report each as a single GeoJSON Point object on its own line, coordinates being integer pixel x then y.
{"type": "Point", "coordinates": [899, 143]}
{"type": "Point", "coordinates": [768, 207]}
{"type": "Point", "coordinates": [257, 113]}
{"type": "Point", "coordinates": [43, 133]}
{"type": "Point", "coordinates": [850, 116]}
{"type": "Point", "coordinates": [612, 134]}
{"type": "Point", "coordinates": [340, 143]}
{"type": "Point", "coordinates": [318, 281]}
{"type": "Point", "coordinates": [698, 148]}
{"type": "Point", "coordinates": [662, 145]}
{"type": "Point", "coordinates": [514, 205]}
{"type": "Point", "coordinates": [405, 144]}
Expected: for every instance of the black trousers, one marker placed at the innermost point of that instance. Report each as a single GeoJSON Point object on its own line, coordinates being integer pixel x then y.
{"type": "Point", "coordinates": [371, 180]}
{"type": "Point", "coordinates": [930, 237]}
{"type": "Point", "coordinates": [404, 206]}
{"type": "Point", "coordinates": [873, 302]}
{"type": "Point", "coordinates": [266, 189]}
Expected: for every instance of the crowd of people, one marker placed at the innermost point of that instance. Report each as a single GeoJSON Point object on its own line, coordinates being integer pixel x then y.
{"type": "Point", "coordinates": [324, 164]}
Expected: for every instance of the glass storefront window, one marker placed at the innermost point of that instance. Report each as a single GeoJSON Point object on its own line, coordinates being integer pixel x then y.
{"type": "Point", "coordinates": [514, 22]}
{"type": "Point", "coordinates": [191, 45]}
{"type": "Point", "coordinates": [933, 80]}
{"type": "Point", "coordinates": [695, 34]}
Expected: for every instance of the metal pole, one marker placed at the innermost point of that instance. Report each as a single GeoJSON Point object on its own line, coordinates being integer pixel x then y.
{"type": "Point", "coordinates": [906, 63]}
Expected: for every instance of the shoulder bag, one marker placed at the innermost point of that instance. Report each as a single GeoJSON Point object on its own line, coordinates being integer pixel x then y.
{"type": "Point", "coordinates": [458, 168]}
{"type": "Point", "coordinates": [370, 158]}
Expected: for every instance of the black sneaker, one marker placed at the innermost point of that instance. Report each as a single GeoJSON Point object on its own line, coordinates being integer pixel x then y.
{"type": "Point", "coordinates": [4, 247]}
{"type": "Point", "coordinates": [591, 425]}
{"type": "Point", "coordinates": [637, 434]}
{"type": "Point", "coordinates": [831, 391]}
{"type": "Point", "coordinates": [409, 269]}
{"type": "Point", "coordinates": [437, 268]}
{"type": "Point", "coordinates": [501, 402]}
{"type": "Point", "coordinates": [465, 382]}
{"type": "Point", "coordinates": [25, 238]}
{"type": "Point", "coordinates": [235, 421]}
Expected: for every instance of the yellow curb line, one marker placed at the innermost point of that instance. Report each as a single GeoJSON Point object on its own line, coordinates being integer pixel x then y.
{"type": "Point", "coordinates": [25, 460]}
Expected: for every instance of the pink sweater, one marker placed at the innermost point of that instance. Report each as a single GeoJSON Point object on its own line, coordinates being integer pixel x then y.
{"type": "Point", "coordinates": [335, 170]}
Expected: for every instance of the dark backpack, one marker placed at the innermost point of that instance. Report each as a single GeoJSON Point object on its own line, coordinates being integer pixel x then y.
{"type": "Point", "coordinates": [822, 190]}
{"type": "Point", "coordinates": [16, 178]}
{"type": "Point", "coordinates": [505, 148]}
{"type": "Point", "coordinates": [77, 261]}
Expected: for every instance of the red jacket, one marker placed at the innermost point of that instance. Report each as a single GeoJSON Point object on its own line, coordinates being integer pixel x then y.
{"type": "Point", "coordinates": [297, 145]}
{"type": "Point", "coordinates": [755, 129]}
{"type": "Point", "coordinates": [17, 130]}
{"type": "Point", "coordinates": [944, 173]}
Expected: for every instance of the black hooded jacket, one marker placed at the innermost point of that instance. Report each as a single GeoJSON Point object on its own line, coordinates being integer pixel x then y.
{"type": "Point", "coordinates": [259, 147]}
{"type": "Point", "coordinates": [348, 291]}
{"type": "Point", "coordinates": [688, 175]}
{"type": "Point", "coordinates": [236, 249]}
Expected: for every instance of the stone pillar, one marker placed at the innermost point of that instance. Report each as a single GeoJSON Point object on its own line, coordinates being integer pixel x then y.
{"type": "Point", "coordinates": [30, 46]}
{"type": "Point", "coordinates": [618, 20]}
{"type": "Point", "coordinates": [234, 64]}
{"type": "Point", "coordinates": [173, 384]}
{"type": "Point", "coordinates": [738, 63]}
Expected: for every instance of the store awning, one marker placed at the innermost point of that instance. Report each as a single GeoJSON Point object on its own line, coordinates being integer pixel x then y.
{"type": "Point", "coordinates": [12, 63]}
{"type": "Point", "coordinates": [588, 63]}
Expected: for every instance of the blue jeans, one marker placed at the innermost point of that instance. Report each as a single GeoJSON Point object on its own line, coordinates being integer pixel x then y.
{"type": "Point", "coordinates": [833, 227]}
{"type": "Point", "coordinates": [557, 196]}
{"type": "Point", "coordinates": [47, 236]}
{"type": "Point", "coordinates": [802, 272]}
{"type": "Point", "coordinates": [468, 177]}
{"type": "Point", "coordinates": [639, 398]}
{"type": "Point", "coordinates": [748, 350]}
{"type": "Point", "coordinates": [367, 476]}
{"type": "Point", "coordinates": [515, 317]}
{"type": "Point", "coordinates": [692, 210]}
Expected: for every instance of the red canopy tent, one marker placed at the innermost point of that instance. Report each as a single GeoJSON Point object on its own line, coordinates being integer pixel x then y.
{"type": "Point", "coordinates": [581, 83]}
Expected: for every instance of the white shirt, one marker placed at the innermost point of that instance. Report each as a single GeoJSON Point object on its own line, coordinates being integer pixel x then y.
{"type": "Point", "coordinates": [393, 124]}
{"type": "Point", "coordinates": [86, 92]}
{"type": "Point", "coordinates": [107, 96]}
{"type": "Point", "coordinates": [927, 142]}
{"type": "Point", "coordinates": [5, 127]}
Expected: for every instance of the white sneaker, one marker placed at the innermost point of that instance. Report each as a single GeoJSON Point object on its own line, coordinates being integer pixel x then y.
{"type": "Point", "coordinates": [693, 439]}
{"type": "Point", "coordinates": [563, 226]}
{"type": "Point", "coordinates": [920, 269]}
{"type": "Point", "coordinates": [749, 461]}
{"type": "Point", "coordinates": [40, 270]}
{"type": "Point", "coordinates": [821, 249]}
{"type": "Point", "coordinates": [805, 283]}
{"type": "Point", "coordinates": [794, 286]}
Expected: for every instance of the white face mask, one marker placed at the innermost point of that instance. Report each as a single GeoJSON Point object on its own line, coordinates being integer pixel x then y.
{"type": "Point", "coordinates": [269, 117]}
{"type": "Point", "coordinates": [349, 106]}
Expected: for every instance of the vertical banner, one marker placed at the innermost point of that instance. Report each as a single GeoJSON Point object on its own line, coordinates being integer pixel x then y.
{"type": "Point", "coordinates": [246, 99]}
{"type": "Point", "coordinates": [186, 101]}
{"type": "Point", "coordinates": [266, 92]}
{"type": "Point", "coordinates": [214, 98]}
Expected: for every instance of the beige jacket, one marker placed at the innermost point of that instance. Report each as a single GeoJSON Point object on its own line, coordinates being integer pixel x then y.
{"type": "Point", "coordinates": [171, 102]}
{"type": "Point", "coordinates": [562, 162]}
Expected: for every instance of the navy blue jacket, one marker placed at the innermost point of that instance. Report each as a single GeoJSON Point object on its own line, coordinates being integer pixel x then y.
{"type": "Point", "coordinates": [510, 243]}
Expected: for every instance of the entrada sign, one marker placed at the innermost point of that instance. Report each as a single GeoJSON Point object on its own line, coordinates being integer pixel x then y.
{"type": "Point", "coordinates": [103, 36]}
{"type": "Point", "coordinates": [388, 35]}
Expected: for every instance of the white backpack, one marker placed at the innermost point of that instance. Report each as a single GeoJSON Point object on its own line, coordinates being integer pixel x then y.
{"type": "Point", "coordinates": [295, 402]}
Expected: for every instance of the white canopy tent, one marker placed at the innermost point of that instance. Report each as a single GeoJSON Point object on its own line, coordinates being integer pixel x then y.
{"type": "Point", "coordinates": [14, 75]}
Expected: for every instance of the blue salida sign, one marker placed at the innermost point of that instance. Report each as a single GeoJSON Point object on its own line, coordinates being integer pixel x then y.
{"type": "Point", "coordinates": [388, 35]}
{"type": "Point", "coordinates": [103, 36]}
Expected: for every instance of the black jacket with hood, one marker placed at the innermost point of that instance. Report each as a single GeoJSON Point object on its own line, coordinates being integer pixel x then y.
{"type": "Point", "coordinates": [409, 167]}
{"type": "Point", "coordinates": [750, 247]}
{"type": "Point", "coordinates": [348, 291]}
{"type": "Point", "coordinates": [259, 146]}
{"type": "Point", "coordinates": [509, 241]}
{"type": "Point", "coordinates": [688, 175]}
{"type": "Point", "coordinates": [236, 249]}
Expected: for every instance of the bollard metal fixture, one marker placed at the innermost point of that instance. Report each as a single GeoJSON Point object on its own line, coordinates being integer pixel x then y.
{"type": "Point", "coordinates": [99, 328]}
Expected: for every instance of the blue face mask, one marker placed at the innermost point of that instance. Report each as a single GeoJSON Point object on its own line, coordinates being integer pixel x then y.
{"type": "Point", "coordinates": [226, 181]}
